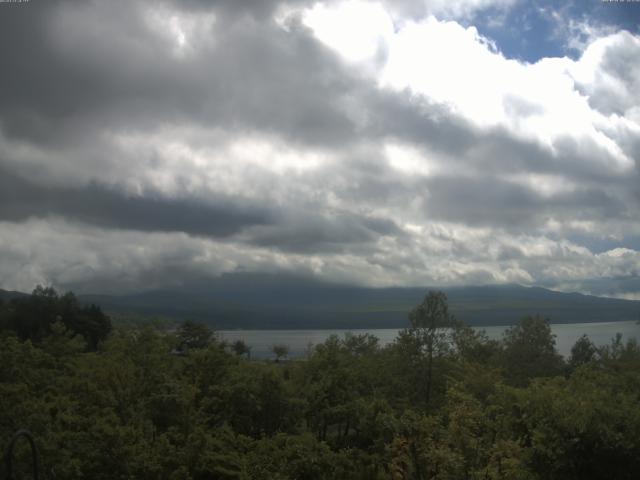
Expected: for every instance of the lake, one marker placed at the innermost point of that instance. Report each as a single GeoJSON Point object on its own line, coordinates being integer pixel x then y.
{"type": "Point", "coordinates": [298, 341]}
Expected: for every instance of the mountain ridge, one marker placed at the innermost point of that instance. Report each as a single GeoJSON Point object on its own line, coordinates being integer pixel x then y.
{"type": "Point", "coordinates": [249, 301]}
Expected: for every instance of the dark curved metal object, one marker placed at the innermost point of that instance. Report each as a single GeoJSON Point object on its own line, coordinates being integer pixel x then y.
{"type": "Point", "coordinates": [34, 454]}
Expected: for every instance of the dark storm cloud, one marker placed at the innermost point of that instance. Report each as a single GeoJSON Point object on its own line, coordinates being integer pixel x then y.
{"type": "Point", "coordinates": [313, 233]}
{"type": "Point", "coordinates": [477, 186]}
{"type": "Point", "coordinates": [98, 205]}
{"type": "Point", "coordinates": [260, 9]}
{"type": "Point", "coordinates": [495, 202]}
{"type": "Point", "coordinates": [420, 121]}
{"type": "Point", "coordinates": [284, 228]}
{"type": "Point", "coordinates": [84, 66]}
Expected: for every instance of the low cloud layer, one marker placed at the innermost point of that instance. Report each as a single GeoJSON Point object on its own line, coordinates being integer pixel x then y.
{"type": "Point", "coordinates": [145, 144]}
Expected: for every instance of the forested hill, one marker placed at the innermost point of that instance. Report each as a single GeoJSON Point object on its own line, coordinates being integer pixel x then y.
{"type": "Point", "coordinates": [270, 301]}
{"type": "Point", "coordinates": [9, 294]}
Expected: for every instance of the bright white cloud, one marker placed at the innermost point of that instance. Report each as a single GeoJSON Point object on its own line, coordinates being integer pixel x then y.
{"type": "Point", "coordinates": [358, 29]}
{"type": "Point", "coordinates": [453, 65]}
{"type": "Point", "coordinates": [408, 159]}
{"type": "Point", "coordinates": [449, 64]}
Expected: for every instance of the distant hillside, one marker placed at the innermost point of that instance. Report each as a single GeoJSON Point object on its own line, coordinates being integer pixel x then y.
{"type": "Point", "coordinates": [270, 302]}
{"type": "Point", "coordinates": [9, 294]}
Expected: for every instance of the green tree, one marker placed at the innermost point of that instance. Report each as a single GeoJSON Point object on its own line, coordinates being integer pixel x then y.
{"type": "Point", "coordinates": [530, 351]}
{"type": "Point", "coordinates": [31, 317]}
{"type": "Point", "coordinates": [582, 352]}
{"type": "Point", "coordinates": [240, 348]}
{"type": "Point", "coordinates": [280, 351]}
{"type": "Point", "coordinates": [193, 335]}
{"type": "Point", "coordinates": [259, 400]}
{"type": "Point", "coordinates": [432, 329]}
{"type": "Point", "coordinates": [341, 387]}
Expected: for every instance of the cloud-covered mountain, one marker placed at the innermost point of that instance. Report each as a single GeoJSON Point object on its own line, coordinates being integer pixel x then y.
{"type": "Point", "coordinates": [279, 301]}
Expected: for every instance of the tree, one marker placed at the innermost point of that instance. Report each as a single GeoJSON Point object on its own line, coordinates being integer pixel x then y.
{"type": "Point", "coordinates": [280, 351]}
{"type": "Point", "coordinates": [240, 348]}
{"type": "Point", "coordinates": [90, 322]}
{"type": "Point", "coordinates": [32, 317]}
{"type": "Point", "coordinates": [583, 351]}
{"type": "Point", "coordinates": [193, 334]}
{"type": "Point", "coordinates": [432, 329]}
{"type": "Point", "coordinates": [338, 383]}
{"type": "Point", "coordinates": [530, 351]}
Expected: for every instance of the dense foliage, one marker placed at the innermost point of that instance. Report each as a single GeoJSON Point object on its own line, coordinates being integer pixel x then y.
{"type": "Point", "coordinates": [33, 317]}
{"type": "Point", "coordinates": [441, 402]}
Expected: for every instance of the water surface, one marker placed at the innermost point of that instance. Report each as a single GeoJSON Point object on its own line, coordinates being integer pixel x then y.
{"type": "Point", "coordinates": [300, 341]}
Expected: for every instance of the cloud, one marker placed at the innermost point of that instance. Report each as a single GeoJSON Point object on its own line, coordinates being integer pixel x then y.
{"type": "Point", "coordinates": [609, 75]}
{"type": "Point", "coordinates": [101, 206]}
{"type": "Point", "coordinates": [89, 259]}
{"type": "Point", "coordinates": [446, 9]}
{"type": "Point", "coordinates": [143, 144]}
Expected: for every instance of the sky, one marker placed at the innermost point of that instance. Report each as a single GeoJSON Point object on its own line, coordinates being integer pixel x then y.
{"type": "Point", "coordinates": [150, 144]}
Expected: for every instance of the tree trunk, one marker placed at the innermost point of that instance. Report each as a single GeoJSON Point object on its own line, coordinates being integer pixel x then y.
{"type": "Point", "coordinates": [429, 375]}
